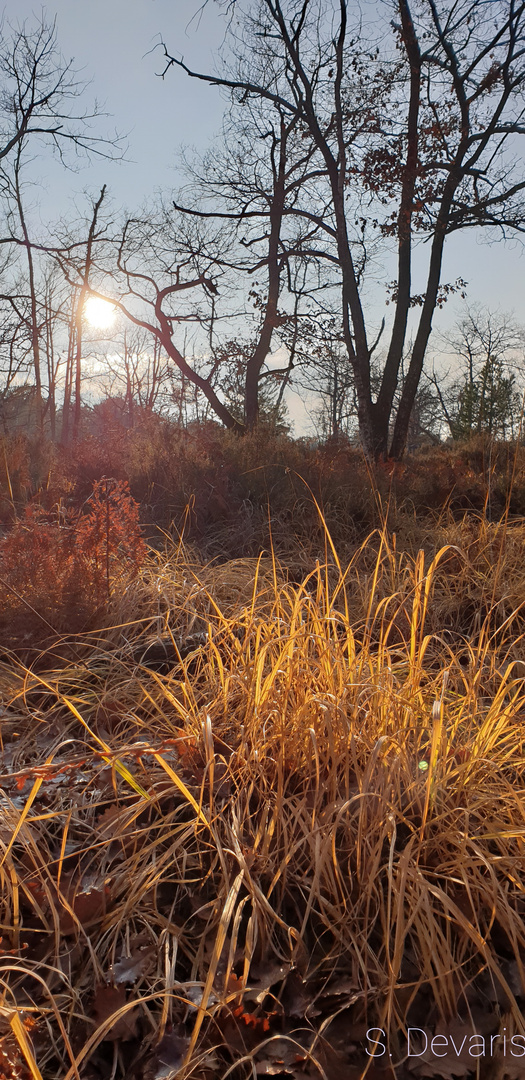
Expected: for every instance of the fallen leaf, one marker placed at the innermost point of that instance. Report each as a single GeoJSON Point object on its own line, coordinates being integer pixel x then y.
{"type": "Point", "coordinates": [88, 908]}
{"type": "Point", "coordinates": [109, 1000]}
{"type": "Point", "coordinates": [273, 1068]}
{"type": "Point", "coordinates": [130, 968]}
{"type": "Point", "coordinates": [168, 1057]}
{"type": "Point", "coordinates": [280, 1056]}
{"type": "Point", "coordinates": [296, 998]}
{"type": "Point", "coordinates": [262, 977]}
{"type": "Point", "coordinates": [107, 819]}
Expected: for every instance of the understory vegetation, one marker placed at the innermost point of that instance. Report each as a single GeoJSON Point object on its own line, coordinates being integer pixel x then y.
{"type": "Point", "coordinates": [258, 800]}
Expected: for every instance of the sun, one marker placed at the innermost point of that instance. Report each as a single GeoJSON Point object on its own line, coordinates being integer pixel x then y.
{"type": "Point", "coordinates": [100, 314]}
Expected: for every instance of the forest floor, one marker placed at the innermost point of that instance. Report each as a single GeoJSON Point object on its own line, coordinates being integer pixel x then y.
{"type": "Point", "coordinates": [271, 817]}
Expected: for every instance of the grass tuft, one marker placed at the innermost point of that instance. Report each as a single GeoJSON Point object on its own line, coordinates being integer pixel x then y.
{"type": "Point", "coordinates": [311, 820]}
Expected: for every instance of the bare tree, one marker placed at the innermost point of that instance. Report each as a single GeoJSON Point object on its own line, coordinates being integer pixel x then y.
{"type": "Point", "coordinates": [415, 137]}
{"type": "Point", "coordinates": [254, 182]}
{"type": "Point", "coordinates": [160, 275]}
{"type": "Point", "coordinates": [39, 95]}
{"type": "Point", "coordinates": [15, 346]}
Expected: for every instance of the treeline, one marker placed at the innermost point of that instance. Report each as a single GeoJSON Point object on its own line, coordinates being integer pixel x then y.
{"type": "Point", "coordinates": [344, 145]}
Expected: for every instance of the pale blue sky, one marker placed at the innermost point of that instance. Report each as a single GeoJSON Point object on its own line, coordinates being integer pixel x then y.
{"type": "Point", "coordinates": [110, 41]}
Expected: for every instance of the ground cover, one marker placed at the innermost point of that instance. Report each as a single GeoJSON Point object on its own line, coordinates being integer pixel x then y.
{"type": "Point", "coordinates": [304, 822]}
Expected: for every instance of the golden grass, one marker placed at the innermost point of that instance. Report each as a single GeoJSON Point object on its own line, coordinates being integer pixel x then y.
{"type": "Point", "coordinates": [327, 796]}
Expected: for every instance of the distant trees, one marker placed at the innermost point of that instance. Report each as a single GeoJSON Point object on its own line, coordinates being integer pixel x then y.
{"type": "Point", "coordinates": [324, 371]}
{"type": "Point", "coordinates": [140, 370]}
{"type": "Point", "coordinates": [411, 138]}
{"type": "Point", "coordinates": [232, 358]}
{"type": "Point", "coordinates": [482, 392]}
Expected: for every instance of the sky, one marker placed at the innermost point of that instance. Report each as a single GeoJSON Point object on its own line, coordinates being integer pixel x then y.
{"type": "Point", "coordinates": [113, 44]}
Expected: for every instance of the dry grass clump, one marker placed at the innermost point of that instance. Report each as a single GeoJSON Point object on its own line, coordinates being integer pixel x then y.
{"type": "Point", "coordinates": [311, 824]}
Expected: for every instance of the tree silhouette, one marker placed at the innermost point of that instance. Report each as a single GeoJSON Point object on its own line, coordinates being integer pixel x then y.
{"type": "Point", "coordinates": [414, 137]}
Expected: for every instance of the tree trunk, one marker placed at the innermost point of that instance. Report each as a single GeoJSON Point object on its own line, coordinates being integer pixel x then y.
{"type": "Point", "coordinates": [256, 361]}
{"type": "Point", "coordinates": [78, 365]}
{"type": "Point", "coordinates": [408, 396]}
{"type": "Point", "coordinates": [382, 409]}
{"type": "Point", "coordinates": [51, 369]}
{"type": "Point", "coordinates": [68, 382]}
{"type": "Point", "coordinates": [80, 312]}
{"type": "Point", "coordinates": [34, 329]}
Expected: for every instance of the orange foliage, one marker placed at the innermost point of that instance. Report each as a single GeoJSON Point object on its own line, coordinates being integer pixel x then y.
{"type": "Point", "coordinates": [70, 560]}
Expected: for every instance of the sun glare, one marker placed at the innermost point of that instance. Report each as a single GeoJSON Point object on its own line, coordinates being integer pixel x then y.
{"type": "Point", "coordinates": [100, 314]}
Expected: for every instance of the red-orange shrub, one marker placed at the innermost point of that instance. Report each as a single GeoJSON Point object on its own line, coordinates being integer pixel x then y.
{"type": "Point", "coordinates": [65, 564]}
{"type": "Point", "coordinates": [107, 538]}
